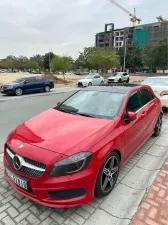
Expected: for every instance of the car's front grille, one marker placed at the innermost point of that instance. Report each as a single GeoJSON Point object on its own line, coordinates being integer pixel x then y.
{"type": "Point", "coordinates": [29, 167]}
{"type": "Point", "coordinates": [80, 84]}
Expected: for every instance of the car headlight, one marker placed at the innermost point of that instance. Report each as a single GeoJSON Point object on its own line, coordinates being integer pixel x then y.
{"type": "Point", "coordinates": [72, 164]}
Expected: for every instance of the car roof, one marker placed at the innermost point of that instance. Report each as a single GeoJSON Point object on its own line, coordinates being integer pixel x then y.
{"type": "Point", "coordinates": [158, 77]}
{"type": "Point", "coordinates": [114, 88]}
{"type": "Point", "coordinates": [31, 76]}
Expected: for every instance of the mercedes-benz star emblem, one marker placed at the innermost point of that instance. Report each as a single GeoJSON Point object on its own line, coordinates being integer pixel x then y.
{"type": "Point", "coordinates": [21, 146]}
{"type": "Point", "coordinates": [17, 162]}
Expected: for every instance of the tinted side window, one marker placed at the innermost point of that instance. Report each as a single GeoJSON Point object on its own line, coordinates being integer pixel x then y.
{"type": "Point", "coordinates": [146, 96]}
{"type": "Point", "coordinates": [30, 80]}
{"type": "Point", "coordinates": [96, 77]}
{"type": "Point", "coordinates": [39, 79]}
{"type": "Point", "coordinates": [134, 102]}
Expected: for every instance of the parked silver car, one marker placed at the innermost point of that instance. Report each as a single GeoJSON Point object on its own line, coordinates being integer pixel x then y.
{"type": "Point", "coordinates": [91, 79]}
{"type": "Point", "coordinates": [119, 77]}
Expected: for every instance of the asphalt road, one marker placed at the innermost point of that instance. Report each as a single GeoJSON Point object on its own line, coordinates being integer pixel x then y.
{"type": "Point", "coordinates": [16, 111]}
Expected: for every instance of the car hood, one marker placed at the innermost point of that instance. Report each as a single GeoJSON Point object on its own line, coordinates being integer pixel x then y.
{"type": "Point", "coordinates": [112, 77]}
{"type": "Point", "coordinates": [62, 132]}
{"type": "Point", "coordinates": [9, 84]}
{"type": "Point", "coordinates": [158, 89]}
{"type": "Point", "coordinates": [85, 80]}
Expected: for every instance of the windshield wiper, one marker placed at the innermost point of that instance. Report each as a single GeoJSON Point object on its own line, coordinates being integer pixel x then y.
{"type": "Point", "coordinates": [67, 111]}
{"type": "Point", "coordinates": [84, 114]}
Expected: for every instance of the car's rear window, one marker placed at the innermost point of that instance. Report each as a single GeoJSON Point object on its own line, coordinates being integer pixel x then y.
{"type": "Point", "coordinates": [93, 103]}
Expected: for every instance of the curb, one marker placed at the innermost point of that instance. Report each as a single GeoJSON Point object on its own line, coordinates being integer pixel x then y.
{"type": "Point", "coordinates": [30, 96]}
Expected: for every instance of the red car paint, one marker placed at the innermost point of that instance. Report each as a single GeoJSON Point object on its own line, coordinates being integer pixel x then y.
{"type": "Point", "coordinates": [53, 135]}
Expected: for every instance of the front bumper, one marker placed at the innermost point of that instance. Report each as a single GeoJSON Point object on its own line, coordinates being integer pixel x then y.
{"type": "Point", "coordinates": [80, 84]}
{"type": "Point", "coordinates": [65, 192]}
{"type": "Point", "coordinates": [6, 91]}
{"type": "Point", "coordinates": [112, 81]}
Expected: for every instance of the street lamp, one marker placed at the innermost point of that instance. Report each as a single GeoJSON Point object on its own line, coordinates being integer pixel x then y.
{"type": "Point", "coordinates": [125, 53]}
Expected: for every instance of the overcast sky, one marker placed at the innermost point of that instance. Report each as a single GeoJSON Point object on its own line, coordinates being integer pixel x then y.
{"type": "Point", "coordinates": [28, 27]}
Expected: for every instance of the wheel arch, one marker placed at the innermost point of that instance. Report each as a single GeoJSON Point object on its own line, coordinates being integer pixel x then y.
{"type": "Point", "coordinates": [18, 87]}
{"type": "Point", "coordinates": [118, 152]}
{"type": "Point", "coordinates": [47, 84]}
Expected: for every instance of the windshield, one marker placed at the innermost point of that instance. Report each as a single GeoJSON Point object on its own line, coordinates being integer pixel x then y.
{"type": "Point", "coordinates": [89, 77]}
{"type": "Point", "coordinates": [117, 74]}
{"type": "Point", "coordinates": [156, 81]}
{"type": "Point", "coordinates": [19, 80]}
{"type": "Point", "coordinates": [93, 104]}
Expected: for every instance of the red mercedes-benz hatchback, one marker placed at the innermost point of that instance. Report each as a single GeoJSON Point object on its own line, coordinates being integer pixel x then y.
{"type": "Point", "coordinates": [67, 155]}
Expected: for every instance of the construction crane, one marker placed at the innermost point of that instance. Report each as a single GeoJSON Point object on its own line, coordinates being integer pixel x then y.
{"type": "Point", "coordinates": [160, 19]}
{"type": "Point", "coordinates": [134, 19]}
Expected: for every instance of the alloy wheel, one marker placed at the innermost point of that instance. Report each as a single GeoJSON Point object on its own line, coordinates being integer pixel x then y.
{"type": "Point", "coordinates": [18, 91]}
{"type": "Point", "coordinates": [47, 89]}
{"type": "Point", "coordinates": [109, 174]}
{"type": "Point", "coordinates": [159, 125]}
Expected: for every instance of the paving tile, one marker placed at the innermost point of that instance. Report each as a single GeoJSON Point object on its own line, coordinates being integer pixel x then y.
{"type": "Point", "coordinates": [129, 198]}
{"type": "Point", "coordinates": [162, 141]}
{"type": "Point", "coordinates": [155, 205]}
{"type": "Point", "coordinates": [8, 221]}
{"type": "Point", "coordinates": [138, 178]}
{"type": "Point", "coordinates": [150, 162]}
{"type": "Point", "coordinates": [100, 217]}
{"type": "Point", "coordinates": [157, 150]}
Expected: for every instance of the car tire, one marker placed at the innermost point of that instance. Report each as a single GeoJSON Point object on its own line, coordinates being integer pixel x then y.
{"type": "Point", "coordinates": [102, 82]}
{"type": "Point", "coordinates": [127, 81]}
{"type": "Point", "coordinates": [89, 84]}
{"type": "Point", "coordinates": [120, 81]}
{"type": "Point", "coordinates": [47, 88]}
{"type": "Point", "coordinates": [106, 180]}
{"type": "Point", "coordinates": [18, 91]}
{"type": "Point", "coordinates": [158, 126]}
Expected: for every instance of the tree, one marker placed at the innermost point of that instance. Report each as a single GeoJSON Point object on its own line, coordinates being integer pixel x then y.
{"type": "Point", "coordinates": [38, 59]}
{"type": "Point", "coordinates": [61, 63]}
{"type": "Point", "coordinates": [155, 55]}
{"type": "Point", "coordinates": [103, 58]}
{"type": "Point", "coordinates": [133, 56]}
{"type": "Point", "coordinates": [148, 58]}
{"type": "Point", "coordinates": [47, 58]}
{"type": "Point", "coordinates": [161, 54]}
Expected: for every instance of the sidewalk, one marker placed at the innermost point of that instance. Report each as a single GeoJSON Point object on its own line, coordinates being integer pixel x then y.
{"type": "Point", "coordinates": [154, 207]}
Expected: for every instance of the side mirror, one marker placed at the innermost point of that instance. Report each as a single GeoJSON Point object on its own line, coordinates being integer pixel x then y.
{"type": "Point", "coordinates": [58, 103]}
{"type": "Point", "coordinates": [131, 116]}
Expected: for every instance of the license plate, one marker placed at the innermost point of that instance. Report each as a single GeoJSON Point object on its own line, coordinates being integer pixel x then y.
{"type": "Point", "coordinates": [16, 179]}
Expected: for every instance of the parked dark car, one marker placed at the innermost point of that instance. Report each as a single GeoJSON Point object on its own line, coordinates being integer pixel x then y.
{"type": "Point", "coordinates": [27, 85]}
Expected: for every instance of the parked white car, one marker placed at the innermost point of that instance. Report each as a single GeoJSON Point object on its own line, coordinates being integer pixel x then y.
{"type": "Point", "coordinates": [91, 79]}
{"type": "Point", "coordinates": [119, 77]}
{"type": "Point", "coordinates": [160, 88]}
